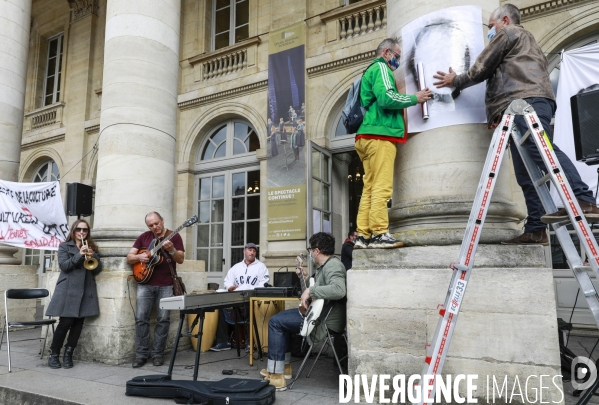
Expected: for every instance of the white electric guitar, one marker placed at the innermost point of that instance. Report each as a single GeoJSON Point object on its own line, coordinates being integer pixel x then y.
{"type": "Point", "coordinates": [313, 312]}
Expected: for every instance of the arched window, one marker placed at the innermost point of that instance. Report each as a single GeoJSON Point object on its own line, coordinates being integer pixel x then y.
{"type": "Point", "coordinates": [227, 197]}
{"type": "Point", "coordinates": [233, 138]}
{"type": "Point", "coordinates": [340, 140]}
{"type": "Point", "coordinates": [48, 171]}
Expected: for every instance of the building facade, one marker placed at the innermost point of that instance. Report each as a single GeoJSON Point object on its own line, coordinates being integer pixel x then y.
{"type": "Point", "coordinates": [162, 105]}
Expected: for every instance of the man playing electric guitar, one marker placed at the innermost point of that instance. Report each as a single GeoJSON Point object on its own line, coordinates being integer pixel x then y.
{"type": "Point", "coordinates": [158, 286]}
{"type": "Point", "coordinates": [330, 286]}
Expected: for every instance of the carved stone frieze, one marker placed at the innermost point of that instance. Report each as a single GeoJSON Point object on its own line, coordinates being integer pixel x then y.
{"type": "Point", "coordinates": [340, 64]}
{"type": "Point", "coordinates": [82, 8]}
{"type": "Point", "coordinates": [547, 7]}
{"type": "Point", "coordinates": [235, 92]}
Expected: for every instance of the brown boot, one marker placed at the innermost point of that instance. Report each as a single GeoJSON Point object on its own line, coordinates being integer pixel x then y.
{"type": "Point", "coordinates": [529, 238]}
{"type": "Point", "coordinates": [589, 210]}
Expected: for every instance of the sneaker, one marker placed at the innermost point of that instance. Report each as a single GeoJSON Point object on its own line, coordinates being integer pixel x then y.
{"type": "Point", "coordinates": [361, 242]}
{"type": "Point", "coordinates": [220, 347]}
{"type": "Point", "coordinates": [590, 211]}
{"type": "Point", "coordinates": [529, 238]}
{"type": "Point", "coordinates": [384, 241]}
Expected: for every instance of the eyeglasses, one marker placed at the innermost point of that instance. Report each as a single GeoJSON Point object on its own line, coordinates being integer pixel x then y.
{"type": "Point", "coordinates": [397, 56]}
{"type": "Point", "coordinates": [310, 249]}
{"type": "Point", "coordinates": [81, 229]}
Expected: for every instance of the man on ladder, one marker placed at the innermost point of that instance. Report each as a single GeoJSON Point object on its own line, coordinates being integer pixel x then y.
{"type": "Point", "coordinates": [516, 68]}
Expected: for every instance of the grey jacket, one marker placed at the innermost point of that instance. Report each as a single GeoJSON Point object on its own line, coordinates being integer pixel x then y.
{"type": "Point", "coordinates": [75, 294]}
{"type": "Point", "coordinates": [330, 284]}
{"type": "Point", "coordinates": [514, 67]}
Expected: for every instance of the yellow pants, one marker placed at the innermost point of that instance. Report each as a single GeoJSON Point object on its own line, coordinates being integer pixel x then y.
{"type": "Point", "coordinates": [378, 158]}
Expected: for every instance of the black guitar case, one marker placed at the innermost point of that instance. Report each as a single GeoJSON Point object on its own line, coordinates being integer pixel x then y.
{"type": "Point", "coordinates": [229, 391]}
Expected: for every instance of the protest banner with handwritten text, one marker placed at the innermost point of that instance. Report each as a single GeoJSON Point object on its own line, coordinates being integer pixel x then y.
{"type": "Point", "coordinates": [32, 215]}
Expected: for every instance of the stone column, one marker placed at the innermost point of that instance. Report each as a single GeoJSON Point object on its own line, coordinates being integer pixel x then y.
{"type": "Point", "coordinates": [15, 23]}
{"type": "Point", "coordinates": [448, 161]}
{"type": "Point", "coordinates": [136, 158]}
{"type": "Point", "coordinates": [393, 294]}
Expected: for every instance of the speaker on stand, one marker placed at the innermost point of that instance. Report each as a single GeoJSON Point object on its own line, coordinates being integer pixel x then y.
{"type": "Point", "coordinates": [79, 199]}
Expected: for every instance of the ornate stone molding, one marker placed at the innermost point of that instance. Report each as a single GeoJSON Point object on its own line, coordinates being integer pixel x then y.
{"type": "Point", "coordinates": [340, 64]}
{"type": "Point", "coordinates": [228, 60]}
{"type": "Point", "coordinates": [82, 8]}
{"type": "Point", "coordinates": [551, 6]}
{"type": "Point", "coordinates": [250, 88]}
{"type": "Point", "coordinates": [224, 51]}
{"type": "Point", "coordinates": [37, 141]}
{"type": "Point", "coordinates": [92, 129]}
{"type": "Point", "coordinates": [44, 116]}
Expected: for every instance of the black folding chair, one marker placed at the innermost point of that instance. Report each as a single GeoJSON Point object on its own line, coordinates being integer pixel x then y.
{"type": "Point", "coordinates": [329, 341]}
{"type": "Point", "coordinates": [24, 294]}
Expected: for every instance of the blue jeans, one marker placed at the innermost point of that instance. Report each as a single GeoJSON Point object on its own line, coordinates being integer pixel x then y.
{"type": "Point", "coordinates": [147, 296]}
{"type": "Point", "coordinates": [544, 109]}
{"type": "Point", "coordinates": [280, 328]}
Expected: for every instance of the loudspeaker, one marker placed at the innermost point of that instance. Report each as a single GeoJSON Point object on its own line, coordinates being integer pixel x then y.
{"type": "Point", "coordinates": [288, 279]}
{"type": "Point", "coordinates": [79, 199]}
{"type": "Point", "coordinates": [585, 122]}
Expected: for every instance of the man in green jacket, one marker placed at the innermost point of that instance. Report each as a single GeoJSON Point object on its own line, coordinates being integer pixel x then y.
{"type": "Point", "coordinates": [381, 129]}
{"type": "Point", "coordinates": [329, 285]}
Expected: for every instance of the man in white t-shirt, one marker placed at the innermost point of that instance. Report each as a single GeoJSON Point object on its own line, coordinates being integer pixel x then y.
{"type": "Point", "coordinates": [245, 275]}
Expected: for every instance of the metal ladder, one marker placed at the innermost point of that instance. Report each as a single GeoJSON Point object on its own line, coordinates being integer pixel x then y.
{"type": "Point", "coordinates": [449, 311]}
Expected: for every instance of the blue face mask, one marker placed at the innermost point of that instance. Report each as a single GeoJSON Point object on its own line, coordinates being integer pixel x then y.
{"type": "Point", "coordinates": [491, 33]}
{"type": "Point", "coordinates": [312, 259]}
{"type": "Point", "coordinates": [393, 63]}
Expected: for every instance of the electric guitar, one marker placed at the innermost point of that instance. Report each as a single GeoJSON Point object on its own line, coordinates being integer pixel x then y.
{"type": "Point", "coordinates": [143, 271]}
{"type": "Point", "coordinates": [313, 312]}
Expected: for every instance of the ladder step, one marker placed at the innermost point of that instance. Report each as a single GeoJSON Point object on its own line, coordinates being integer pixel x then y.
{"type": "Point", "coordinates": [562, 223]}
{"type": "Point", "coordinates": [524, 137]}
{"type": "Point", "coordinates": [458, 266]}
{"type": "Point", "coordinates": [544, 179]}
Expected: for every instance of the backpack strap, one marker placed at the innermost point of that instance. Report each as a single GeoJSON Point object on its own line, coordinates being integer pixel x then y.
{"type": "Point", "coordinates": [360, 89]}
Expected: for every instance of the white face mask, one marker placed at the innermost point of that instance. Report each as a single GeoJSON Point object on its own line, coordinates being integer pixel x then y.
{"type": "Point", "coordinates": [491, 33]}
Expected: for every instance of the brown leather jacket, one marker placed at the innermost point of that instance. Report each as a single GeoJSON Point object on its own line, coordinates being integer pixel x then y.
{"type": "Point", "coordinates": [514, 66]}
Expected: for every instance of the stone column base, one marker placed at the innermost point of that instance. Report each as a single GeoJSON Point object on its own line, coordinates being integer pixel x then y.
{"type": "Point", "coordinates": [110, 337]}
{"type": "Point", "coordinates": [507, 325]}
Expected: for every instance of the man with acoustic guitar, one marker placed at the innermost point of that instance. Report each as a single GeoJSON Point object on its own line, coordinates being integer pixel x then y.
{"type": "Point", "coordinates": [159, 285]}
{"type": "Point", "coordinates": [330, 286]}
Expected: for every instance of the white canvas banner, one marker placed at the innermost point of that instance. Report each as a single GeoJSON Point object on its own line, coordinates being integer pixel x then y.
{"type": "Point", "coordinates": [32, 215]}
{"type": "Point", "coordinates": [451, 37]}
{"type": "Point", "coordinates": [579, 70]}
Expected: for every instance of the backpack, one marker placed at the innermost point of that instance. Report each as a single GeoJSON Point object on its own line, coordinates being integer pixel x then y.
{"type": "Point", "coordinates": [353, 113]}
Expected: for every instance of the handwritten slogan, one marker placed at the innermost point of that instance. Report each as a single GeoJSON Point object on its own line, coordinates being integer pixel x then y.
{"type": "Point", "coordinates": [32, 215]}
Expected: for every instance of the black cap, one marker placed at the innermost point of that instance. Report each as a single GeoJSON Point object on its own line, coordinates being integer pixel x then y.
{"type": "Point", "coordinates": [250, 246]}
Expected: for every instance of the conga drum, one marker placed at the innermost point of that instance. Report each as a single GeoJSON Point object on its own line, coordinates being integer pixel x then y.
{"type": "Point", "coordinates": [263, 311]}
{"type": "Point", "coordinates": [210, 325]}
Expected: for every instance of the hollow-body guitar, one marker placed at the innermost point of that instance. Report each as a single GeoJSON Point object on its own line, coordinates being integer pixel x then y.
{"type": "Point", "coordinates": [313, 312]}
{"type": "Point", "coordinates": [143, 271]}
